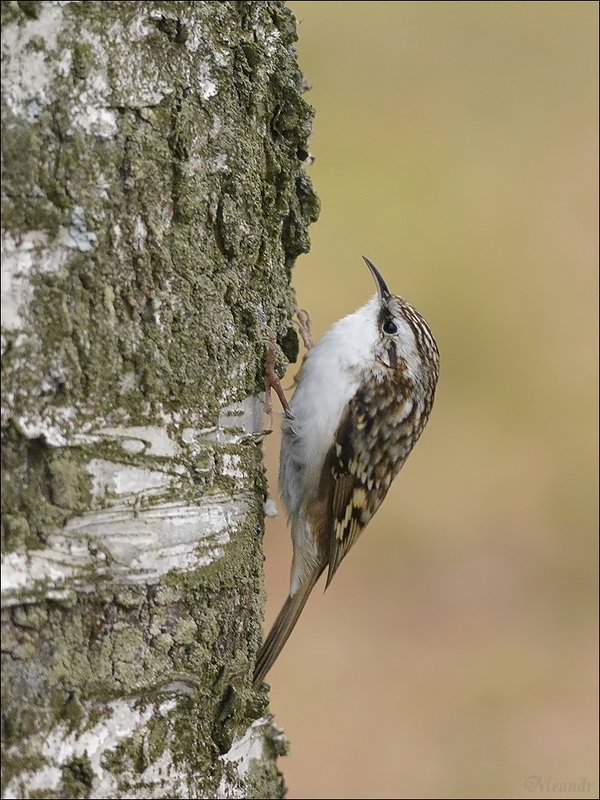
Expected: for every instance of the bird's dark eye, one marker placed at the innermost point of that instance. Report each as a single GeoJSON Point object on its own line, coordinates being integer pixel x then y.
{"type": "Point", "coordinates": [389, 326]}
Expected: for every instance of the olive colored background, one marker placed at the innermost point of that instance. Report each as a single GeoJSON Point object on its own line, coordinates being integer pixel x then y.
{"type": "Point", "coordinates": [455, 653]}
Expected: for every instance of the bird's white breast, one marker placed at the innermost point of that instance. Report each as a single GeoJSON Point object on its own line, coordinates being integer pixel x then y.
{"type": "Point", "coordinates": [329, 378]}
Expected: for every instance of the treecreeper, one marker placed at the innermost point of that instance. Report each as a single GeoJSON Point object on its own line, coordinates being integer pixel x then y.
{"type": "Point", "coordinates": [362, 399]}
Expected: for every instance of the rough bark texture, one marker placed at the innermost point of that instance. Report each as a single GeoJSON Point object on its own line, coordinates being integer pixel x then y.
{"type": "Point", "coordinates": [153, 205]}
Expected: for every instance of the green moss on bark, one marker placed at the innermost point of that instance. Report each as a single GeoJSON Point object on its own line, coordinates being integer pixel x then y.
{"type": "Point", "coordinates": [41, 489]}
{"type": "Point", "coordinates": [77, 777]}
{"type": "Point", "coordinates": [215, 234]}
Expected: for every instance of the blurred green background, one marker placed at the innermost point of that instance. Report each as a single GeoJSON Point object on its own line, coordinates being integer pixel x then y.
{"type": "Point", "coordinates": [455, 653]}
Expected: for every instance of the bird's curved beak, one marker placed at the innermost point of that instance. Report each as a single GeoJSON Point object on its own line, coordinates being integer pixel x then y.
{"type": "Point", "coordinates": [382, 289]}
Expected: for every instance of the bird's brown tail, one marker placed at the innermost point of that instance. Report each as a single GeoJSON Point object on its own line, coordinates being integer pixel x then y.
{"type": "Point", "coordinates": [282, 627]}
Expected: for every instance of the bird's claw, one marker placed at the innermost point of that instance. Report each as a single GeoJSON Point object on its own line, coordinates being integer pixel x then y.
{"type": "Point", "coordinates": [304, 325]}
{"type": "Point", "coordinates": [272, 381]}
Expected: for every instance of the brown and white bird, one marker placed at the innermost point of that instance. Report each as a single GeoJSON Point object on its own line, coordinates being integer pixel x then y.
{"type": "Point", "coordinates": [363, 397]}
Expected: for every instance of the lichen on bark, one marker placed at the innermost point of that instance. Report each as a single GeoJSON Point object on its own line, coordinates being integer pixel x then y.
{"type": "Point", "coordinates": [154, 202]}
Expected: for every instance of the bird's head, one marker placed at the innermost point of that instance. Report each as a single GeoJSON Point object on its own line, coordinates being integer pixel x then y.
{"type": "Point", "coordinates": [403, 340]}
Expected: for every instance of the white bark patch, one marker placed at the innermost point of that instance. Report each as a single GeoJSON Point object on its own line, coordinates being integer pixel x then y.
{"type": "Point", "coordinates": [126, 545]}
{"type": "Point", "coordinates": [25, 76]}
{"type": "Point", "coordinates": [232, 466]}
{"type": "Point", "coordinates": [237, 422]}
{"type": "Point", "coordinates": [91, 116]}
{"type": "Point", "coordinates": [162, 774]}
{"type": "Point", "coordinates": [82, 239]}
{"type": "Point", "coordinates": [50, 429]}
{"type": "Point", "coordinates": [140, 533]}
{"type": "Point", "coordinates": [113, 478]}
{"type": "Point", "coordinates": [32, 253]}
{"type": "Point", "coordinates": [270, 508]}
{"type": "Point", "coordinates": [23, 256]}
{"type": "Point", "coordinates": [207, 87]}
{"type": "Point", "coordinates": [141, 234]}
{"type": "Point", "coordinates": [152, 438]}
{"type": "Point", "coordinates": [124, 719]}
{"type": "Point", "coordinates": [272, 42]}
{"type": "Point", "coordinates": [243, 751]}
{"type": "Point", "coordinates": [28, 80]}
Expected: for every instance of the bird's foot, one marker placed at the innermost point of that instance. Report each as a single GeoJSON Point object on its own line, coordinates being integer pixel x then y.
{"type": "Point", "coordinates": [272, 381]}
{"type": "Point", "coordinates": [304, 326]}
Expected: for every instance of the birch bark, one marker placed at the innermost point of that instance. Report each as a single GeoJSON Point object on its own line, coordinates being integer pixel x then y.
{"type": "Point", "coordinates": [153, 204]}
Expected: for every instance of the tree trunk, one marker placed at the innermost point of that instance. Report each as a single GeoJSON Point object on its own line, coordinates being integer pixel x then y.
{"type": "Point", "coordinates": [154, 203]}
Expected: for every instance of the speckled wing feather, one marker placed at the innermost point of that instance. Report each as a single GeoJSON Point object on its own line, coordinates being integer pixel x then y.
{"type": "Point", "coordinates": [368, 451]}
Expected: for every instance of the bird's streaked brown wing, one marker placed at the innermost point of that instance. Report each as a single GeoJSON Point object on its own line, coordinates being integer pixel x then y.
{"type": "Point", "coordinates": [376, 433]}
{"type": "Point", "coordinates": [353, 504]}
